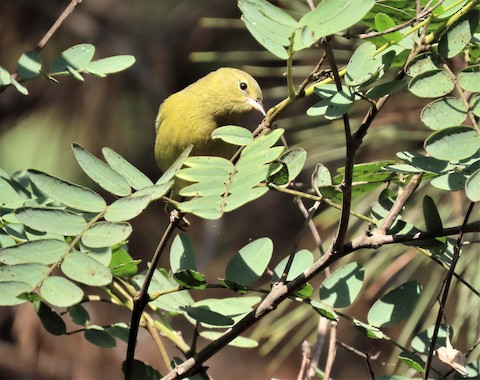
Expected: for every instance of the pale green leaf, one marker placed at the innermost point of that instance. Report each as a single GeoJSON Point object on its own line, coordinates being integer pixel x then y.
{"type": "Point", "coordinates": [110, 65]}
{"type": "Point", "coordinates": [86, 270]}
{"type": "Point", "coordinates": [51, 220]}
{"type": "Point", "coordinates": [233, 134]}
{"type": "Point", "coordinates": [60, 292]}
{"type": "Point", "coordinates": [29, 65]}
{"type": "Point", "coordinates": [46, 252]}
{"type": "Point", "coordinates": [105, 234]}
{"type": "Point", "coordinates": [431, 84]}
{"type": "Point", "coordinates": [100, 172]}
{"type": "Point", "coordinates": [453, 143]}
{"type": "Point", "coordinates": [134, 177]}
{"type": "Point", "coordinates": [69, 194]}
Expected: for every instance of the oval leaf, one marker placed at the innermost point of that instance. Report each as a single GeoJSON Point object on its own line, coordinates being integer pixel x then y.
{"type": "Point", "coordinates": [60, 292]}
{"type": "Point", "coordinates": [69, 194]}
{"type": "Point", "coordinates": [182, 255]}
{"type": "Point", "coordinates": [250, 262]}
{"type": "Point", "coordinates": [301, 261]}
{"type": "Point", "coordinates": [233, 134]}
{"type": "Point", "coordinates": [443, 113]}
{"type": "Point", "coordinates": [453, 143]}
{"type": "Point", "coordinates": [431, 84]}
{"type": "Point", "coordinates": [106, 234]}
{"type": "Point", "coordinates": [342, 287]}
{"type": "Point", "coordinates": [134, 177]}
{"type": "Point", "coordinates": [46, 252]}
{"type": "Point", "coordinates": [100, 172]}
{"type": "Point", "coordinates": [395, 306]}
{"type": "Point", "coordinates": [472, 186]}
{"type": "Point", "coordinates": [85, 269]}
{"type": "Point", "coordinates": [51, 220]}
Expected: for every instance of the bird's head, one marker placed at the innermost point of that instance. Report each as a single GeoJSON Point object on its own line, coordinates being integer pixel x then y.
{"type": "Point", "coordinates": [237, 91]}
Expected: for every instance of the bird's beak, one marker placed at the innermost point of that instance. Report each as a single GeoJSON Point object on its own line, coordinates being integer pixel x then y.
{"type": "Point", "coordinates": [256, 104]}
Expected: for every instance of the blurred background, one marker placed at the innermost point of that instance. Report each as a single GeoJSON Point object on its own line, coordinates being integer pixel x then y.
{"type": "Point", "coordinates": [175, 42]}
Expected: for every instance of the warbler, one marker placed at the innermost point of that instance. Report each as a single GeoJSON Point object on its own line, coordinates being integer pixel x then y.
{"type": "Point", "coordinates": [190, 116]}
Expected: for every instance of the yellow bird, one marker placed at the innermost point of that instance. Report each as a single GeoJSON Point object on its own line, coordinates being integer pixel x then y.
{"type": "Point", "coordinates": [192, 114]}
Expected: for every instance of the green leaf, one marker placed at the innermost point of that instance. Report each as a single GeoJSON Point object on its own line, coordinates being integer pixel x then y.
{"type": "Point", "coordinates": [321, 177]}
{"type": "Point", "coordinates": [124, 209]}
{"type": "Point", "coordinates": [339, 105]}
{"type": "Point", "coordinates": [239, 341]}
{"type": "Point", "coordinates": [433, 222]}
{"type": "Point", "coordinates": [171, 302]}
{"type": "Point", "coordinates": [431, 84]}
{"type": "Point", "coordinates": [60, 292]}
{"type": "Point", "coordinates": [190, 279]}
{"type": "Point", "coordinates": [4, 77]}
{"type": "Point", "coordinates": [387, 88]}
{"type": "Point", "coordinates": [239, 199]}
{"type": "Point", "coordinates": [100, 172]}
{"type": "Point", "coordinates": [384, 22]}
{"type": "Point", "coordinates": [141, 370]}
{"type": "Point", "coordinates": [412, 361]}
{"type": "Point", "coordinates": [182, 254]}
{"type": "Point", "coordinates": [475, 104]}
{"type": "Point", "coordinates": [205, 315]}
{"type": "Point", "coordinates": [79, 315]}
{"type": "Point", "coordinates": [422, 342]}
{"type": "Point", "coordinates": [294, 159]}
{"type": "Point", "coordinates": [260, 144]}
{"type": "Point", "coordinates": [332, 16]}
{"type": "Point", "coordinates": [77, 57]}
{"type": "Point", "coordinates": [472, 186]}
{"type": "Point", "coordinates": [453, 143]}
{"type": "Point", "coordinates": [120, 330]}
{"type": "Point", "coordinates": [223, 312]}
{"type": "Point", "coordinates": [46, 251]}
{"type": "Point", "coordinates": [444, 112]}
{"type": "Point", "coordinates": [74, 73]}
{"type": "Point", "coordinates": [110, 65]}
{"type": "Point", "coordinates": [395, 306]}
{"type": "Point", "coordinates": [362, 65]}
{"type": "Point", "coordinates": [469, 78]}
{"type": "Point", "coordinates": [86, 270]}
{"type": "Point", "coordinates": [99, 337]}
{"type": "Point", "coordinates": [421, 64]}
{"type": "Point", "coordinates": [269, 25]}
{"type": "Point", "coordinates": [29, 65]}
{"type": "Point", "coordinates": [250, 262]}
{"type": "Point", "coordinates": [21, 89]}
{"type": "Point", "coordinates": [134, 177]}
{"type": "Point", "coordinates": [71, 195]}
{"type": "Point", "coordinates": [370, 331]}
{"type": "Point", "coordinates": [106, 234]}
{"type": "Point", "coordinates": [458, 35]}
{"type": "Point", "coordinates": [9, 290]}
{"type": "Point", "coordinates": [324, 310]}
{"type": "Point", "coordinates": [172, 170]}
{"type": "Point", "coordinates": [342, 287]}
{"type": "Point", "coordinates": [154, 192]}
{"type": "Point", "coordinates": [31, 273]}
{"type": "Point", "coordinates": [233, 134]}
{"type": "Point", "coordinates": [51, 321]}
{"type": "Point", "coordinates": [301, 261]}
{"type": "Point", "coordinates": [122, 264]}
{"type": "Point", "coordinates": [51, 220]}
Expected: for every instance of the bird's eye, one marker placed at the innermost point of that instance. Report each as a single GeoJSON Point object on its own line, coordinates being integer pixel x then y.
{"type": "Point", "coordinates": [243, 85]}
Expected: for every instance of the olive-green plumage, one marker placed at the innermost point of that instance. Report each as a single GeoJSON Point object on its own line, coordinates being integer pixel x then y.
{"type": "Point", "coordinates": [190, 116]}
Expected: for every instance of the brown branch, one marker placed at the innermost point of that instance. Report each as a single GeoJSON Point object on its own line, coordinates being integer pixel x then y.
{"type": "Point", "coordinates": [141, 299]}
{"type": "Point", "coordinates": [365, 355]}
{"type": "Point", "coordinates": [332, 350]}
{"type": "Point", "coordinates": [446, 287]}
{"type": "Point", "coordinates": [281, 291]}
{"type": "Point", "coordinates": [68, 10]}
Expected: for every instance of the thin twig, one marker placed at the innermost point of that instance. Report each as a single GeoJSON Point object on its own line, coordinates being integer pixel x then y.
{"type": "Point", "coordinates": [68, 10]}
{"type": "Point", "coordinates": [445, 289]}
{"type": "Point", "coordinates": [332, 350]}
{"type": "Point", "coordinates": [365, 355]}
{"type": "Point", "coordinates": [306, 354]}
{"type": "Point", "coordinates": [141, 299]}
